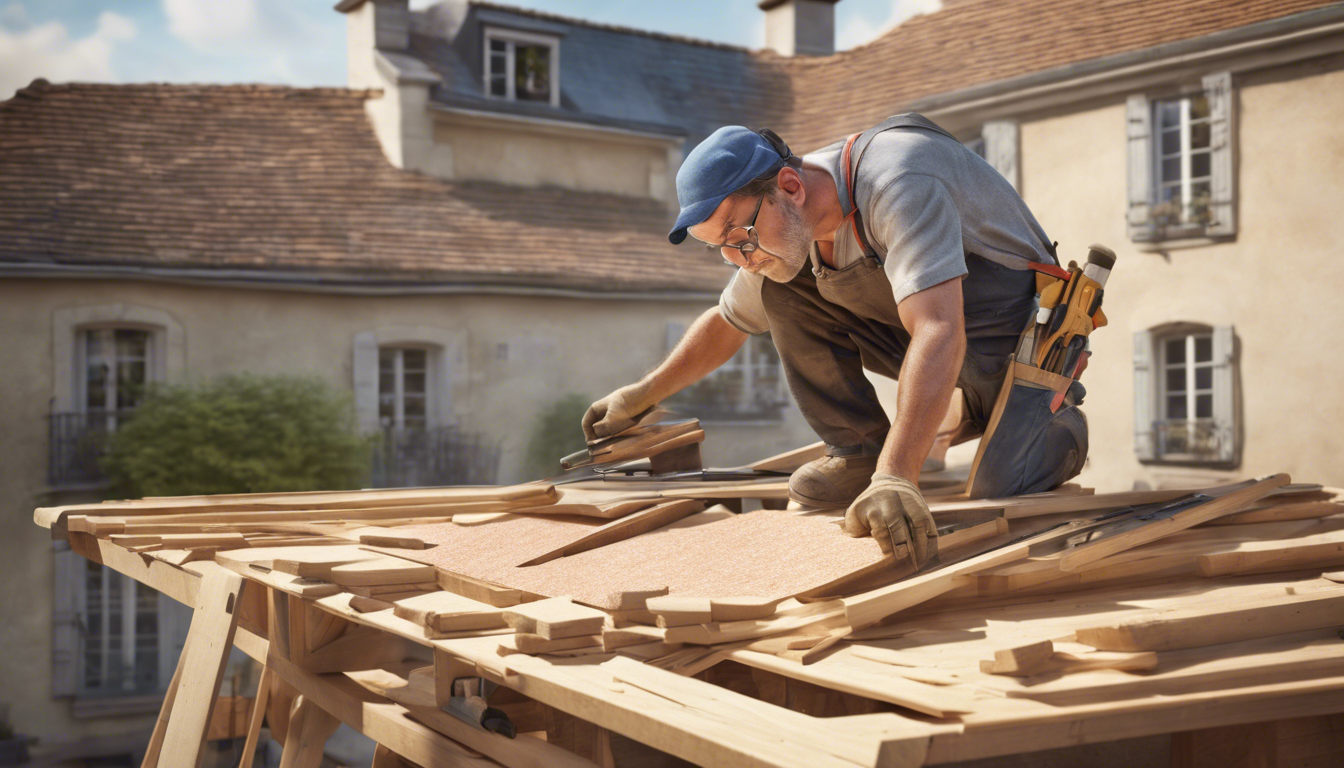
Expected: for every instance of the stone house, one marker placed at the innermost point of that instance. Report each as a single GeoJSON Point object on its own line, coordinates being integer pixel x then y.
{"type": "Point", "coordinates": [475, 229]}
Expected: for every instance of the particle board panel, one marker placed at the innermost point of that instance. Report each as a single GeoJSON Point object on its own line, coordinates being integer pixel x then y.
{"type": "Point", "coordinates": [768, 554]}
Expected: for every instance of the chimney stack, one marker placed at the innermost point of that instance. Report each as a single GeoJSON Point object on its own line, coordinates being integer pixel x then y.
{"type": "Point", "coordinates": [800, 27]}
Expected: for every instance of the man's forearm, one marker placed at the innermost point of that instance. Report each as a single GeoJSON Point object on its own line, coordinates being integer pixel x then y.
{"type": "Point", "coordinates": [709, 343]}
{"type": "Point", "coordinates": [928, 377]}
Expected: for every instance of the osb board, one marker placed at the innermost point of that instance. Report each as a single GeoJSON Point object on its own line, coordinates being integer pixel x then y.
{"type": "Point", "coordinates": [769, 554]}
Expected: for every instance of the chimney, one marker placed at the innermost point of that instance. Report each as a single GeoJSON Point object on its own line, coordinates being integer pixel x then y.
{"type": "Point", "coordinates": [800, 27]}
{"type": "Point", "coordinates": [389, 21]}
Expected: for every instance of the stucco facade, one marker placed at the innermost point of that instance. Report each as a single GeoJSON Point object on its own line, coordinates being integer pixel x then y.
{"type": "Point", "coordinates": [1277, 283]}
{"type": "Point", "coordinates": [506, 358]}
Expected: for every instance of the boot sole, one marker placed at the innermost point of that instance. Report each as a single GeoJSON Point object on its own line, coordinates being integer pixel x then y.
{"type": "Point", "coordinates": [801, 499]}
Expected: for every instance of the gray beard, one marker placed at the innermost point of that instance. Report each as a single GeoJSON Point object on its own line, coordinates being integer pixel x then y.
{"type": "Point", "coordinates": [795, 243]}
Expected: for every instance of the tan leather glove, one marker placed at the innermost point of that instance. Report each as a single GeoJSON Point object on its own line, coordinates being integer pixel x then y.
{"type": "Point", "coordinates": [614, 413]}
{"type": "Point", "coordinates": [894, 512]}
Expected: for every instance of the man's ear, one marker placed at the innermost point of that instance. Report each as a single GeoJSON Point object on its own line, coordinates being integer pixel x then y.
{"type": "Point", "coordinates": [791, 184]}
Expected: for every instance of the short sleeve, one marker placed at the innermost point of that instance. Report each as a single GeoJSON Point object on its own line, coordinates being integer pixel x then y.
{"type": "Point", "coordinates": [916, 221]}
{"type": "Point", "coordinates": [741, 304]}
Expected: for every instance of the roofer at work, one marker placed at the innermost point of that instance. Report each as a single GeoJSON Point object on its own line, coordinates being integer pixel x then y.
{"type": "Point", "coordinates": [920, 270]}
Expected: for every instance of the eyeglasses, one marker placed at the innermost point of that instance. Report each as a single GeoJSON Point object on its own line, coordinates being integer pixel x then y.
{"type": "Point", "coordinates": [746, 240]}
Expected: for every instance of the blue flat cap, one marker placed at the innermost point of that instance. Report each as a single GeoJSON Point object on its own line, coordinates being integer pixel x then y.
{"type": "Point", "coordinates": [726, 161]}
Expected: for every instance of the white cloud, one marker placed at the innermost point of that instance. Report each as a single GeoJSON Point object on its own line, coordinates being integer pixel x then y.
{"type": "Point", "coordinates": [214, 25]}
{"type": "Point", "coordinates": [858, 30]}
{"type": "Point", "coordinates": [47, 50]}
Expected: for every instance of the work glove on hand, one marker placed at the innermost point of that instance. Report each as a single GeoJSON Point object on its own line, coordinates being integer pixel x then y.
{"type": "Point", "coordinates": [613, 414]}
{"type": "Point", "coordinates": [894, 512]}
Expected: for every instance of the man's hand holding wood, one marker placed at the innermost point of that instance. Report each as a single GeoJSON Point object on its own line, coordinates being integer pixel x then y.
{"type": "Point", "coordinates": [894, 512]}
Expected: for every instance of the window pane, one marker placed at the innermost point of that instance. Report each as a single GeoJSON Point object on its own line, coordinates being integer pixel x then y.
{"type": "Point", "coordinates": [1199, 165]}
{"type": "Point", "coordinates": [532, 72]}
{"type": "Point", "coordinates": [1176, 379]}
{"type": "Point", "coordinates": [1176, 350]}
{"type": "Point", "coordinates": [1171, 142]}
{"type": "Point", "coordinates": [132, 343]}
{"type": "Point", "coordinates": [1203, 349]}
{"type": "Point", "coordinates": [130, 383]}
{"type": "Point", "coordinates": [1204, 378]}
{"type": "Point", "coordinates": [387, 383]}
{"type": "Point", "coordinates": [414, 406]}
{"type": "Point", "coordinates": [498, 46]}
{"type": "Point", "coordinates": [387, 359]}
{"type": "Point", "coordinates": [1204, 406]}
{"type": "Point", "coordinates": [1176, 407]}
{"type": "Point", "coordinates": [1171, 169]}
{"type": "Point", "coordinates": [1168, 114]}
{"type": "Point", "coordinates": [413, 359]}
{"type": "Point", "coordinates": [1199, 135]}
{"type": "Point", "coordinates": [414, 383]}
{"type": "Point", "coordinates": [1199, 108]}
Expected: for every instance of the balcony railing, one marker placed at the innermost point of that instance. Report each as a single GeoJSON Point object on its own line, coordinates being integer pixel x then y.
{"type": "Point", "coordinates": [433, 456]}
{"type": "Point", "coordinates": [77, 443]}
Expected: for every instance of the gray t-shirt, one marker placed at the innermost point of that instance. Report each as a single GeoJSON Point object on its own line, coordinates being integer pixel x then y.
{"type": "Point", "coordinates": [927, 201]}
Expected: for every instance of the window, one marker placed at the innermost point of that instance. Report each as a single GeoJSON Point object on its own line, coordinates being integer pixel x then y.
{"type": "Point", "coordinates": [1180, 164]}
{"type": "Point", "coordinates": [113, 637]}
{"type": "Point", "coordinates": [403, 387]}
{"type": "Point", "coordinates": [748, 388]}
{"type": "Point", "coordinates": [522, 67]}
{"type": "Point", "coordinates": [116, 367]}
{"type": "Point", "coordinates": [1184, 402]}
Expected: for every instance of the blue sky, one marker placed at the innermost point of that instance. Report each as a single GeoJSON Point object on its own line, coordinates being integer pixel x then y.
{"type": "Point", "coordinates": [302, 42]}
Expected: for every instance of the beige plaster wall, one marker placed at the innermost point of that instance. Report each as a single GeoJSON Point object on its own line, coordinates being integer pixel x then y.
{"type": "Point", "coordinates": [1279, 283]}
{"type": "Point", "coordinates": [534, 157]}
{"type": "Point", "coordinates": [522, 354]}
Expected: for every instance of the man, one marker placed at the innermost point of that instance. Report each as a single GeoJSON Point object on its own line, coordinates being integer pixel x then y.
{"type": "Point", "coordinates": [916, 264]}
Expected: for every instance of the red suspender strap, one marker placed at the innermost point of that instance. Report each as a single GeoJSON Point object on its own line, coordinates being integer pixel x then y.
{"type": "Point", "coordinates": [849, 187]}
{"type": "Point", "coordinates": [1052, 270]}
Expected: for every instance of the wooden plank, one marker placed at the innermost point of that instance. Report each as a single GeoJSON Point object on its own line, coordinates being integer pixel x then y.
{"type": "Point", "coordinates": [155, 746]}
{"type": "Point", "coordinates": [204, 657]}
{"type": "Point", "coordinates": [381, 572]}
{"type": "Point", "coordinates": [525, 642]}
{"type": "Point", "coordinates": [556, 618]}
{"type": "Point", "coordinates": [871, 607]}
{"type": "Point", "coordinates": [1319, 551]}
{"type": "Point", "coordinates": [622, 528]}
{"type": "Point", "coordinates": [1136, 532]}
{"type": "Point", "coordinates": [449, 612]}
{"type": "Point", "coordinates": [1219, 623]}
{"type": "Point", "coordinates": [258, 715]}
{"type": "Point", "coordinates": [723, 609]}
{"type": "Point", "coordinates": [679, 611]}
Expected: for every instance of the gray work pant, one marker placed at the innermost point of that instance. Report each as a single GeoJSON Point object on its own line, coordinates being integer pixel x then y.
{"type": "Point", "coordinates": [830, 324]}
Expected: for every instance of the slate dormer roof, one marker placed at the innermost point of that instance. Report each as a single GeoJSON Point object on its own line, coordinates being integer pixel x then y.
{"type": "Point", "coordinates": [609, 75]}
{"type": "Point", "coordinates": [289, 185]}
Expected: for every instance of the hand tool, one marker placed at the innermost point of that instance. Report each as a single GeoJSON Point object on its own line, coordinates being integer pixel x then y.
{"type": "Point", "coordinates": [1074, 311]}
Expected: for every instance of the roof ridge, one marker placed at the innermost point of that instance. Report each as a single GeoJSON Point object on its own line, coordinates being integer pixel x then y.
{"type": "Point", "coordinates": [42, 86]}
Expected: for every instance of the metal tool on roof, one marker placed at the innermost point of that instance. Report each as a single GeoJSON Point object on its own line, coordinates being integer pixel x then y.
{"type": "Point", "coordinates": [469, 703]}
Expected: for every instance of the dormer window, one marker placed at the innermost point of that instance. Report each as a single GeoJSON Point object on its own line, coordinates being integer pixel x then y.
{"type": "Point", "coordinates": [522, 66]}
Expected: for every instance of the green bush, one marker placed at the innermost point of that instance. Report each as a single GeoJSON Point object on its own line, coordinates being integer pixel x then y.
{"type": "Point", "coordinates": [558, 433]}
{"type": "Point", "coordinates": [238, 434]}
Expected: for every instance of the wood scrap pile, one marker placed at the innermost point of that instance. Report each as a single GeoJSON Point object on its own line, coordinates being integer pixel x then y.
{"type": "Point", "coordinates": [1058, 597]}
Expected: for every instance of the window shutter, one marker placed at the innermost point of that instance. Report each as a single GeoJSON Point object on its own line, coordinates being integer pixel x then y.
{"type": "Point", "coordinates": [1218, 89]}
{"type": "Point", "coordinates": [1139, 119]}
{"type": "Point", "coordinates": [365, 368]}
{"type": "Point", "coordinates": [1000, 137]}
{"type": "Point", "coordinates": [67, 571]}
{"type": "Point", "coordinates": [1144, 439]}
{"type": "Point", "coordinates": [1224, 393]}
{"type": "Point", "coordinates": [675, 330]}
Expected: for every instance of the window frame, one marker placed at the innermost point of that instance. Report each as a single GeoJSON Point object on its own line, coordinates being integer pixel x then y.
{"type": "Point", "coordinates": [512, 38]}
{"type": "Point", "coordinates": [1220, 433]}
{"type": "Point", "coordinates": [152, 366]}
{"type": "Point", "coordinates": [736, 413]}
{"type": "Point", "coordinates": [399, 390]}
{"type": "Point", "coordinates": [1148, 223]}
{"type": "Point", "coordinates": [1191, 365]}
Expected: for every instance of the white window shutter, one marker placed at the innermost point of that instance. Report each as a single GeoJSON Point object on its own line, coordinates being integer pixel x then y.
{"type": "Point", "coordinates": [67, 569]}
{"type": "Point", "coordinates": [1139, 122]}
{"type": "Point", "coordinates": [675, 330]}
{"type": "Point", "coordinates": [1144, 438]}
{"type": "Point", "coordinates": [1001, 147]}
{"type": "Point", "coordinates": [365, 368]}
{"type": "Point", "coordinates": [1224, 393]}
{"type": "Point", "coordinates": [1218, 89]}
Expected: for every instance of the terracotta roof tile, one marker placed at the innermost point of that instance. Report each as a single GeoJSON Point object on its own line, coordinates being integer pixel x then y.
{"type": "Point", "coordinates": [974, 42]}
{"type": "Point", "coordinates": [261, 177]}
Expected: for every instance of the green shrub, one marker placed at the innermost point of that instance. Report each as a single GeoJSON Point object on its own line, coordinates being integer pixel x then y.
{"type": "Point", "coordinates": [558, 433]}
{"type": "Point", "coordinates": [238, 434]}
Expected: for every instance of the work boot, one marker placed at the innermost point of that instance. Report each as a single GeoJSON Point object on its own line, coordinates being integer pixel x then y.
{"type": "Point", "coordinates": [832, 482]}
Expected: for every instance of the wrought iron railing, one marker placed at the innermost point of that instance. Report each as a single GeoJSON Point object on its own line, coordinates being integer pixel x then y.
{"type": "Point", "coordinates": [77, 444]}
{"type": "Point", "coordinates": [1198, 440]}
{"type": "Point", "coordinates": [433, 456]}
